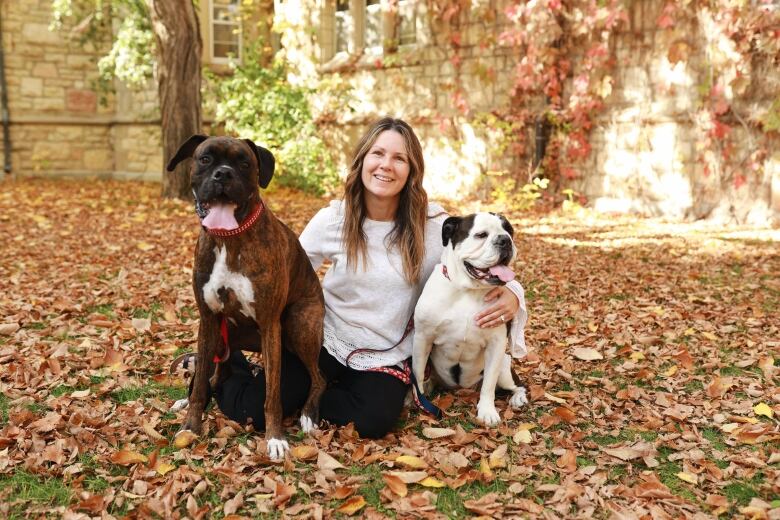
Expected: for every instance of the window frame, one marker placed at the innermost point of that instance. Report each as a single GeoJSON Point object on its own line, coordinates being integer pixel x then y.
{"type": "Point", "coordinates": [218, 60]}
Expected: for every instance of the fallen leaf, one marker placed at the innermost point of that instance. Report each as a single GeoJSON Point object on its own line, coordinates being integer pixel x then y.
{"type": "Point", "coordinates": [325, 461]}
{"type": "Point", "coordinates": [432, 482]}
{"type": "Point", "coordinates": [687, 477]}
{"type": "Point", "coordinates": [411, 461]}
{"type": "Point", "coordinates": [409, 477]}
{"type": "Point", "coordinates": [183, 439]}
{"type": "Point", "coordinates": [127, 458]}
{"type": "Point", "coordinates": [352, 506]}
{"type": "Point", "coordinates": [522, 436]}
{"type": "Point", "coordinates": [304, 452]}
{"type": "Point", "coordinates": [587, 354]}
{"type": "Point", "coordinates": [566, 413]}
{"type": "Point", "coordinates": [6, 329]}
{"type": "Point", "coordinates": [763, 409]}
{"type": "Point", "coordinates": [438, 433]}
{"type": "Point", "coordinates": [497, 459]}
{"type": "Point", "coordinates": [142, 324]}
{"type": "Point", "coordinates": [234, 504]}
{"type": "Point", "coordinates": [395, 484]}
{"type": "Point", "coordinates": [343, 492]}
{"type": "Point", "coordinates": [163, 467]}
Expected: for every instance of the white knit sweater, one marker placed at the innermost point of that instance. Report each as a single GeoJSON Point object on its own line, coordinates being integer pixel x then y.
{"type": "Point", "coordinates": [370, 308]}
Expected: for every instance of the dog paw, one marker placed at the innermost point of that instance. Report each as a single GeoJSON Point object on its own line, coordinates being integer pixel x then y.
{"type": "Point", "coordinates": [488, 415]}
{"type": "Point", "coordinates": [519, 398]}
{"type": "Point", "coordinates": [181, 404]}
{"type": "Point", "coordinates": [277, 448]}
{"type": "Point", "coordinates": [307, 425]}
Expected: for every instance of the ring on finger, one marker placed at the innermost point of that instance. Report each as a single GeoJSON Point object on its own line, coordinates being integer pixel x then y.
{"type": "Point", "coordinates": [502, 318]}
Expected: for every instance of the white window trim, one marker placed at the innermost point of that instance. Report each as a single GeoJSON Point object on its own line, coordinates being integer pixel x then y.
{"type": "Point", "coordinates": [221, 60]}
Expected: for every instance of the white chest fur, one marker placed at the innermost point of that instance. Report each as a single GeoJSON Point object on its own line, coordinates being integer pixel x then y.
{"type": "Point", "coordinates": [222, 277]}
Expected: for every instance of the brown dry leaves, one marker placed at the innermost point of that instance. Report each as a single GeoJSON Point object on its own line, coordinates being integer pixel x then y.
{"type": "Point", "coordinates": [653, 377]}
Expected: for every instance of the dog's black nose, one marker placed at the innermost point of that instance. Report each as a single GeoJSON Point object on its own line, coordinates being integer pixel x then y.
{"type": "Point", "coordinates": [503, 241]}
{"type": "Point", "coordinates": [221, 173]}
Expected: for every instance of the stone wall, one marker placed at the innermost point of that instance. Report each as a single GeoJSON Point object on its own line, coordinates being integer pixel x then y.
{"type": "Point", "coordinates": [58, 124]}
{"type": "Point", "coordinates": [645, 142]}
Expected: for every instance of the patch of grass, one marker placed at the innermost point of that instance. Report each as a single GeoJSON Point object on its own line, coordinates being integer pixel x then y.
{"type": "Point", "coordinates": [153, 312]}
{"type": "Point", "coordinates": [616, 473]}
{"type": "Point", "coordinates": [731, 371]}
{"type": "Point", "coordinates": [26, 487]}
{"type": "Point", "coordinates": [667, 472]}
{"type": "Point", "coordinates": [450, 501]}
{"type": "Point", "coordinates": [37, 408]}
{"type": "Point", "coordinates": [648, 436]}
{"type": "Point", "coordinates": [134, 393]}
{"type": "Point", "coordinates": [105, 309]}
{"type": "Point", "coordinates": [740, 492]}
{"type": "Point", "coordinates": [584, 461]}
{"type": "Point", "coordinates": [608, 440]}
{"type": "Point", "coordinates": [3, 408]}
{"type": "Point", "coordinates": [188, 313]}
{"type": "Point", "coordinates": [694, 386]}
{"type": "Point", "coordinates": [372, 483]}
{"type": "Point", "coordinates": [715, 438]}
{"type": "Point", "coordinates": [35, 325]}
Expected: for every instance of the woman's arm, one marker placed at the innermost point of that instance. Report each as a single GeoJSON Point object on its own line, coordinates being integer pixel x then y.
{"type": "Point", "coordinates": [313, 238]}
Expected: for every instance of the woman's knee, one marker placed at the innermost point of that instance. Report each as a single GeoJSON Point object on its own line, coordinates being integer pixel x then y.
{"type": "Point", "coordinates": [374, 422]}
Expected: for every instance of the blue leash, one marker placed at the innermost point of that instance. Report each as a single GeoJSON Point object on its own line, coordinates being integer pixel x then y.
{"type": "Point", "coordinates": [423, 401]}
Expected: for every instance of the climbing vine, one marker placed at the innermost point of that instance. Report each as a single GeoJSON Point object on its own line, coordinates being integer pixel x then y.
{"type": "Point", "coordinates": [565, 58]}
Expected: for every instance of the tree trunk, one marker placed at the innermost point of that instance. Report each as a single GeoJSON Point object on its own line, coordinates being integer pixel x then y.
{"type": "Point", "coordinates": [176, 29]}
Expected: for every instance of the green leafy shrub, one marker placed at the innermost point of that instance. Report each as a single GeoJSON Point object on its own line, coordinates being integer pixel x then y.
{"type": "Point", "coordinates": [257, 102]}
{"type": "Point", "coordinates": [508, 195]}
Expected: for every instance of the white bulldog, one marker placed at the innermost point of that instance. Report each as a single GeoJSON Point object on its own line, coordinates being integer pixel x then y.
{"type": "Point", "coordinates": [478, 252]}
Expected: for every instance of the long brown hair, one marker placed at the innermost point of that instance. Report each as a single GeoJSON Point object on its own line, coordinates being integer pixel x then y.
{"type": "Point", "coordinates": [408, 233]}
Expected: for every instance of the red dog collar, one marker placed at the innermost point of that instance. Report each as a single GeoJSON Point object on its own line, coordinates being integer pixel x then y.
{"type": "Point", "coordinates": [251, 219]}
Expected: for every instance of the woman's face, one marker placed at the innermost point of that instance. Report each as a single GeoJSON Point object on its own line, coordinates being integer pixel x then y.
{"type": "Point", "coordinates": [386, 167]}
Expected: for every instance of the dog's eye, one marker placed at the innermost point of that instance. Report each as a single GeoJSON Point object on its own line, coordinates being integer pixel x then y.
{"type": "Point", "coordinates": [483, 234]}
{"type": "Point", "coordinates": [245, 165]}
{"type": "Point", "coordinates": [204, 160]}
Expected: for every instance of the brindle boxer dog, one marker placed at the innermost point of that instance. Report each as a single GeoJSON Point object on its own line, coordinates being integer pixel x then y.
{"type": "Point", "coordinates": [250, 272]}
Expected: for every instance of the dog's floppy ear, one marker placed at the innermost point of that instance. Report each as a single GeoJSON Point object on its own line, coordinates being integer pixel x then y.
{"type": "Point", "coordinates": [186, 150]}
{"type": "Point", "coordinates": [448, 229]}
{"type": "Point", "coordinates": [265, 162]}
{"type": "Point", "coordinates": [507, 226]}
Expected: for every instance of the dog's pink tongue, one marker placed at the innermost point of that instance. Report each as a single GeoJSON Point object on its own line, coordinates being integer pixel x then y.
{"type": "Point", "coordinates": [504, 273]}
{"type": "Point", "coordinates": [221, 217]}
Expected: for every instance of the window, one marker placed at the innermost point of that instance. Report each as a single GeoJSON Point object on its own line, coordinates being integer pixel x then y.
{"type": "Point", "coordinates": [225, 30]}
{"type": "Point", "coordinates": [343, 25]}
{"type": "Point", "coordinates": [373, 27]}
{"type": "Point", "coordinates": [407, 23]}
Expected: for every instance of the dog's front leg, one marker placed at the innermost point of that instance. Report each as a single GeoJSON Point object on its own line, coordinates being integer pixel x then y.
{"type": "Point", "coordinates": [209, 341]}
{"type": "Point", "coordinates": [272, 359]}
{"type": "Point", "coordinates": [421, 351]}
{"type": "Point", "coordinates": [486, 407]}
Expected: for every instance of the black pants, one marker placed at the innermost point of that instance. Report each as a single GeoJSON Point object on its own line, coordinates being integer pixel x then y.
{"type": "Point", "coordinates": [371, 400]}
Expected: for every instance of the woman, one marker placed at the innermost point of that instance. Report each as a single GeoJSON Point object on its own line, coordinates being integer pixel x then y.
{"type": "Point", "coordinates": [383, 240]}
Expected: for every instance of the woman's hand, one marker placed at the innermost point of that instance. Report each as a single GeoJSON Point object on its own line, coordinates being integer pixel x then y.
{"type": "Point", "coordinates": [503, 309]}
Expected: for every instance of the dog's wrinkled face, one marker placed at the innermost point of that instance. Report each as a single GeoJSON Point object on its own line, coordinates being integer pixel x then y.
{"type": "Point", "coordinates": [224, 175]}
{"type": "Point", "coordinates": [483, 243]}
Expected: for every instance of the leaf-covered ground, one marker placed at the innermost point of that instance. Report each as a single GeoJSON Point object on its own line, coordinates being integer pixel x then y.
{"type": "Point", "coordinates": [653, 375]}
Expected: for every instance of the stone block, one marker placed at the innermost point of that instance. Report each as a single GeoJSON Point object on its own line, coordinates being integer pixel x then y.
{"type": "Point", "coordinates": [98, 160]}
{"type": "Point", "coordinates": [39, 33]}
{"type": "Point", "coordinates": [45, 70]}
{"type": "Point", "coordinates": [31, 87]}
{"type": "Point", "coordinates": [81, 100]}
